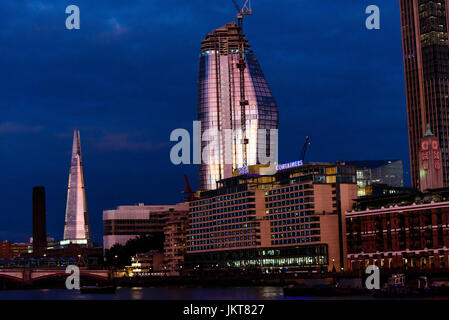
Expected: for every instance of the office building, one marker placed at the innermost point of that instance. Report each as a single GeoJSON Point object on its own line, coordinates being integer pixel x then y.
{"type": "Point", "coordinates": [10, 250]}
{"type": "Point", "coordinates": [426, 64]}
{"type": "Point", "coordinates": [389, 172]}
{"type": "Point", "coordinates": [219, 106]}
{"type": "Point", "coordinates": [129, 222]}
{"type": "Point", "coordinates": [291, 220]}
{"type": "Point", "coordinates": [175, 243]}
{"type": "Point", "coordinates": [76, 228]}
{"type": "Point", "coordinates": [375, 177]}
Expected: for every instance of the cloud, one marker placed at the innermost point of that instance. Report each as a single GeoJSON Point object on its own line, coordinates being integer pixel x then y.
{"type": "Point", "coordinates": [117, 27]}
{"type": "Point", "coordinates": [39, 6]}
{"type": "Point", "coordinates": [126, 142]}
{"type": "Point", "coordinates": [15, 128]}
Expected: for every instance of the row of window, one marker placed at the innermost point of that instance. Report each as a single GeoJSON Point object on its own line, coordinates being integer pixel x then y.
{"type": "Point", "coordinates": [296, 234]}
{"type": "Point", "coordinates": [223, 216]}
{"type": "Point", "coordinates": [133, 221]}
{"type": "Point", "coordinates": [295, 240]}
{"type": "Point", "coordinates": [284, 216]}
{"type": "Point", "coordinates": [221, 210]}
{"type": "Point", "coordinates": [294, 221]}
{"type": "Point", "coordinates": [222, 240]}
{"type": "Point", "coordinates": [289, 189]}
{"type": "Point", "coordinates": [220, 234]}
{"type": "Point", "coordinates": [289, 202]}
{"type": "Point", "coordinates": [222, 204]}
{"type": "Point", "coordinates": [296, 227]}
{"type": "Point", "coordinates": [292, 208]}
{"type": "Point", "coordinates": [222, 198]}
{"type": "Point", "coordinates": [222, 246]}
{"type": "Point", "coordinates": [218, 222]}
{"type": "Point", "coordinates": [289, 195]}
{"type": "Point", "coordinates": [223, 228]}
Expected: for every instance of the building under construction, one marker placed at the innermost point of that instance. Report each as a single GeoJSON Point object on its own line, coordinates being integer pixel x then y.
{"type": "Point", "coordinates": [230, 82]}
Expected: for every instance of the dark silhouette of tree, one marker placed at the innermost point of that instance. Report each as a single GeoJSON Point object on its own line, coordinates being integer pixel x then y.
{"type": "Point", "coordinates": [119, 256]}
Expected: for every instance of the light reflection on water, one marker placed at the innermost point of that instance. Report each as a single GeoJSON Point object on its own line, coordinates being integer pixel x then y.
{"type": "Point", "coordinates": [172, 293]}
{"type": "Point", "coordinates": [150, 293]}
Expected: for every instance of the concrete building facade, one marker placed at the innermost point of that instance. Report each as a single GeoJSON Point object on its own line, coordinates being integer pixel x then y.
{"type": "Point", "coordinates": [291, 220]}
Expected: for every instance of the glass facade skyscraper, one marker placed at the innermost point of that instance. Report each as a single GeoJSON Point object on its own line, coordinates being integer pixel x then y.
{"type": "Point", "coordinates": [76, 229]}
{"type": "Point", "coordinates": [426, 63]}
{"type": "Point", "coordinates": [219, 107]}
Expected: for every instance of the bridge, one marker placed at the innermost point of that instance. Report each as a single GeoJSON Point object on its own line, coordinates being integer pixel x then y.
{"type": "Point", "coordinates": [29, 275]}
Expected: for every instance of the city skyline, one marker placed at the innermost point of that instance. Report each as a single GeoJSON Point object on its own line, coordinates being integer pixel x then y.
{"type": "Point", "coordinates": [119, 113]}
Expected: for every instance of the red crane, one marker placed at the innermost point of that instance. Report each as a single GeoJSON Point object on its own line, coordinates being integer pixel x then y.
{"type": "Point", "coordinates": [190, 195]}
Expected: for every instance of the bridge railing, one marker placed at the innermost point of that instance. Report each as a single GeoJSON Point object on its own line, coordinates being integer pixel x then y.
{"type": "Point", "coordinates": [42, 263]}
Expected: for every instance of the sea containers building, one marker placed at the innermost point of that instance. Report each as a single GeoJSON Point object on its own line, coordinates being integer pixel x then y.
{"type": "Point", "coordinates": [289, 221]}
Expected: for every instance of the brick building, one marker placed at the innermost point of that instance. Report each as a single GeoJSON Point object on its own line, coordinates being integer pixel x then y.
{"type": "Point", "coordinates": [409, 231]}
{"type": "Point", "coordinates": [10, 250]}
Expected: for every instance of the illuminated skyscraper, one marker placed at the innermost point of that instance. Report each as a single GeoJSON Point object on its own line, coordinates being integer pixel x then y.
{"type": "Point", "coordinates": [426, 63]}
{"type": "Point", "coordinates": [219, 106]}
{"type": "Point", "coordinates": [76, 228]}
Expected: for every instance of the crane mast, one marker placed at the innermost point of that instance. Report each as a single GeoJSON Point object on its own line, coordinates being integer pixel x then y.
{"type": "Point", "coordinates": [241, 65]}
{"type": "Point", "coordinates": [304, 149]}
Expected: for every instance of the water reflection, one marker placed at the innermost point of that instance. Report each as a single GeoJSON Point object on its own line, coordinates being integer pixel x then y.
{"type": "Point", "coordinates": [150, 293]}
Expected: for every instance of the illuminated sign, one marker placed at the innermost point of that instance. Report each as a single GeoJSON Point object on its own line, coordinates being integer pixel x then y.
{"type": "Point", "coordinates": [289, 165]}
{"type": "Point", "coordinates": [243, 170]}
{"type": "Point", "coordinates": [294, 164]}
{"type": "Point", "coordinates": [427, 155]}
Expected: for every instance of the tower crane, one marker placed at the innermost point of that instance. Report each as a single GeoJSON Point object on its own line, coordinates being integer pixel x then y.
{"type": "Point", "coordinates": [304, 149]}
{"type": "Point", "coordinates": [190, 195]}
{"type": "Point", "coordinates": [241, 65]}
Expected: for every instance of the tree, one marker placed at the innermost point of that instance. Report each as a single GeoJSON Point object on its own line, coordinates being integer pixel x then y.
{"type": "Point", "coordinates": [119, 256]}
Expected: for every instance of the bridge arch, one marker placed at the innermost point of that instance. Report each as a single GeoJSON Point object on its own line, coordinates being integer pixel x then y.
{"type": "Point", "coordinates": [11, 276]}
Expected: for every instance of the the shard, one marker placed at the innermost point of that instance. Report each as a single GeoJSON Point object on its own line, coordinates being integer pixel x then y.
{"type": "Point", "coordinates": [76, 229]}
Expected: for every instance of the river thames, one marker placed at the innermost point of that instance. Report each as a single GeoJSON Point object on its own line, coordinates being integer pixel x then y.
{"type": "Point", "coordinates": [177, 293]}
{"type": "Point", "coordinates": [157, 293]}
{"type": "Point", "coordinates": [151, 293]}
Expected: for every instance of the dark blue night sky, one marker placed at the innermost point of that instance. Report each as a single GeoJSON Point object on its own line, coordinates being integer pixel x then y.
{"type": "Point", "coordinates": [128, 77]}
